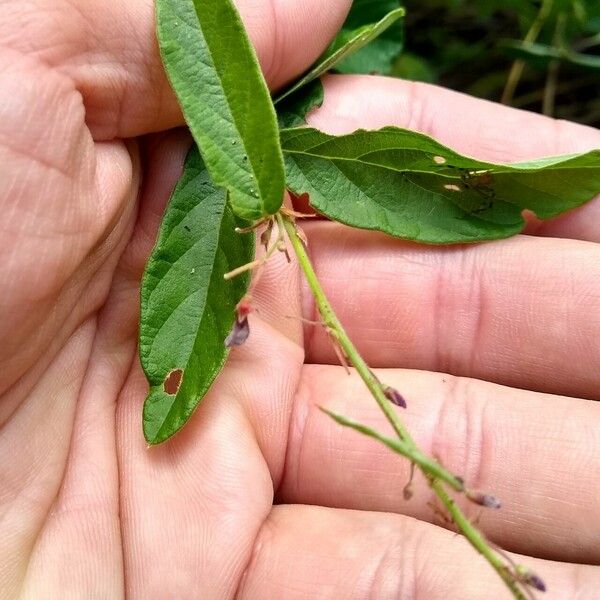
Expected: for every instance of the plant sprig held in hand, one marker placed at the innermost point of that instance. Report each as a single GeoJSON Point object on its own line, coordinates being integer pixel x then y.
{"type": "Point", "coordinates": [195, 288]}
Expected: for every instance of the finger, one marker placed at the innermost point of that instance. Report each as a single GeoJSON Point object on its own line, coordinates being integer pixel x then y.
{"type": "Point", "coordinates": [34, 446]}
{"type": "Point", "coordinates": [539, 454]}
{"type": "Point", "coordinates": [80, 546]}
{"type": "Point", "coordinates": [191, 508]}
{"type": "Point", "coordinates": [198, 500]}
{"type": "Point", "coordinates": [57, 255]}
{"type": "Point", "coordinates": [109, 51]}
{"type": "Point", "coordinates": [476, 127]}
{"type": "Point", "coordinates": [523, 312]}
{"type": "Point", "coordinates": [307, 552]}
{"type": "Point", "coordinates": [472, 126]}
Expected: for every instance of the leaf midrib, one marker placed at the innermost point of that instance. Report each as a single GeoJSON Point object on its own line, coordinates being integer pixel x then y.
{"type": "Point", "coordinates": [207, 307]}
{"type": "Point", "coordinates": [502, 169]}
{"type": "Point", "coordinates": [386, 210]}
{"type": "Point", "coordinates": [251, 172]}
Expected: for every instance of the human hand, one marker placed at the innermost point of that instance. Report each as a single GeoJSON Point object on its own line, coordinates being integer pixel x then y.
{"type": "Point", "coordinates": [89, 511]}
{"type": "Point", "coordinates": [83, 184]}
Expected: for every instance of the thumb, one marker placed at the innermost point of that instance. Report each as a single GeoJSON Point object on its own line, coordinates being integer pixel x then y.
{"type": "Point", "coordinates": [108, 49]}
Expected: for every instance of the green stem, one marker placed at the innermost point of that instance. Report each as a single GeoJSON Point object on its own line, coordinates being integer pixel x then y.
{"type": "Point", "coordinates": [518, 66]}
{"type": "Point", "coordinates": [418, 458]}
{"type": "Point", "coordinates": [331, 321]}
{"type": "Point", "coordinates": [476, 539]}
{"type": "Point", "coordinates": [436, 475]}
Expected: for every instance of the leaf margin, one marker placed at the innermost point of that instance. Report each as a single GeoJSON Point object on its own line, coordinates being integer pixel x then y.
{"type": "Point", "coordinates": [333, 56]}
{"type": "Point", "coordinates": [193, 175]}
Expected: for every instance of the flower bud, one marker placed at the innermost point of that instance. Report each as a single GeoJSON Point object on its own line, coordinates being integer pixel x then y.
{"type": "Point", "coordinates": [483, 499]}
{"type": "Point", "coordinates": [394, 396]}
{"type": "Point", "coordinates": [239, 333]}
{"type": "Point", "coordinates": [530, 578]}
{"type": "Point", "coordinates": [244, 308]}
{"type": "Point", "coordinates": [265, 236]}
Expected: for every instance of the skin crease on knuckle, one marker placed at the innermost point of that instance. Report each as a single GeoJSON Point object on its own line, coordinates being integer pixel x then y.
{"type": "Point", "coordinates": [313, 552]}
{"type": "Point", "coordinates": [477, 429]}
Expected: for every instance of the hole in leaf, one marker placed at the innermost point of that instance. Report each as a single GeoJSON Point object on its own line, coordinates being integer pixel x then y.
{"type": "Point", "coordinates": [173, 382]}
{"type": "Point", "coordinates": [453, 187]}
{"type": "Point", "coordinates": [439, 160]}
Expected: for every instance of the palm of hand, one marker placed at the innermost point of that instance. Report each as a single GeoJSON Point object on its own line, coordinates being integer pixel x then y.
{"type": "Point", "coordinates": [78, 499]}
{"type": "Point", "coordinates": [84, 504]}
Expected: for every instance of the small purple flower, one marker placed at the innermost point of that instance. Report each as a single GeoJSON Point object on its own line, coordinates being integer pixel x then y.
{"type": "Point", "coordinates": [483, 499]}
{"type": "Point", "coordinates": [536, 582]}
{"type": "Point", "coordinates": [530, 578]}
{"type": "Point", "coordinates": [239, 334]}
{"type": "Point", "coordinates": [394, 396]}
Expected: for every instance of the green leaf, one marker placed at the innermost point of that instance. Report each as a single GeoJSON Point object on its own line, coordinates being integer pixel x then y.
{"type": "Point", "coordinates": [187, 307]}
{"type": "Point", "coordinates": [216, 76]}
{"type": "Point", "coordinates": [293, 110]}
{"type": "Point", "coordinates": [410, 186]}
{"type": "Point", "coordinates": [378, 56]}
{"type": "Point", "coordinates": [343, 47]}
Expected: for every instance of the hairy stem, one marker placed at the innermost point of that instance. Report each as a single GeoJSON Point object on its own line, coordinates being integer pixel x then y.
{"type": "Point", "coordinates": [439, 478]}
{"type": "Point", "coordinates": [476, 539]}
{"type": "Point", "coordinates": [332, 322]}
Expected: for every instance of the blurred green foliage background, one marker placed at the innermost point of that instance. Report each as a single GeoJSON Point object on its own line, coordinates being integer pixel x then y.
{"type": "Point", "coordinates": [541, 55]}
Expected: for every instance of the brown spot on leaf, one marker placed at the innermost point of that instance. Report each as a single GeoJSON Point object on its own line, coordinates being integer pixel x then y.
{"type": "Point", "coordinates": [173, 382]}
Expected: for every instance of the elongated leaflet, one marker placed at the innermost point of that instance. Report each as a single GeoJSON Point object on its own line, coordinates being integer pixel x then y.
{"type": "Point", "coordinates": [187, 307]}
{"type": "Point", "coordinates": [215, 73]}
{"type": "Point", "coordinates": [410, 186]}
